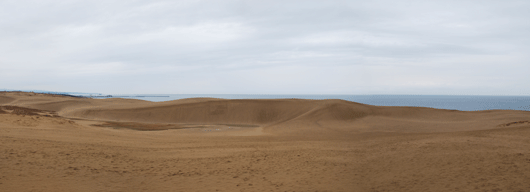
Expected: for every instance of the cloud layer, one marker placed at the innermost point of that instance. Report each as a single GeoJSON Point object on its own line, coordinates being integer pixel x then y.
{"type": "Point", "coordinates": [266, 47]}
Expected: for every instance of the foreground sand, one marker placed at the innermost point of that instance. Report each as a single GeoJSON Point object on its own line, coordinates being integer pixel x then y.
{"type": "Point", "coordinates": [57, 143]}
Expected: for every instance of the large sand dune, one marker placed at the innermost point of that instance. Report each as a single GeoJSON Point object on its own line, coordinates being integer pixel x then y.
{"type": "Point", "coordinates": [59, 143]}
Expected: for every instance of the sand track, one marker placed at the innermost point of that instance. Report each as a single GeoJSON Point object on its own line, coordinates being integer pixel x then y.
{"type": "Point", "coordinates": [56, 143]}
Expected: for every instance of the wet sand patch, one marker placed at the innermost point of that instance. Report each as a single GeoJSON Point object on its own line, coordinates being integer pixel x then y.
{"type": "Point", "coordinates": [161, 127]}
{"type": "Point", "coordinates": [515, 123]}
{"type": "Point", "coordinates": [138, 126]}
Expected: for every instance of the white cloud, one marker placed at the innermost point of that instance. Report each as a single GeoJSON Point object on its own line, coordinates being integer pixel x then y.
{"type": "Point", "coordinates": [337, 38]}
{"type": "Point", "coordinates": [198, 34]}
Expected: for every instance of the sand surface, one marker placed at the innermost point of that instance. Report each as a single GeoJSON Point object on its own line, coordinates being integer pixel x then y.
{"type": "Point", "coordinates": [59, 143]}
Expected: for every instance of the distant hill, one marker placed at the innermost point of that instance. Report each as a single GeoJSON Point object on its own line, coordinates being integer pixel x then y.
{"type": "Point", "coordinates": [52, 92]}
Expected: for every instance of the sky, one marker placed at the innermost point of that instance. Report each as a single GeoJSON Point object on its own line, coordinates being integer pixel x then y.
{"type": "Point", "coordinates": [355, 47]}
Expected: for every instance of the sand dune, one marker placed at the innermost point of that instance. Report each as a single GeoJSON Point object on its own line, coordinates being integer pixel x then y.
{"type": "Point", "coordinates": [59, 143]}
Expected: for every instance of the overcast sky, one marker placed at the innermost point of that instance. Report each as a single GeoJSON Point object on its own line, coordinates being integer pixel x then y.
{"type": "Point", "coordinates": [266, 47]}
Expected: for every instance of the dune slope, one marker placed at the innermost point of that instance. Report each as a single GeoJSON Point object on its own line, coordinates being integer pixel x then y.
{"type": "Point", "coordinates": [5, 100]}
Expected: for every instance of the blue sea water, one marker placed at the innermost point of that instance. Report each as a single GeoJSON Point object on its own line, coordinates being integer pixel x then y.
{"type": "Point", "coordinates": [453, 102]}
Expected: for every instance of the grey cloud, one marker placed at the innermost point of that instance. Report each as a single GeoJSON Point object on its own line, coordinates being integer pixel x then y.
{"type": "Point", "coordinates": [345, 47]}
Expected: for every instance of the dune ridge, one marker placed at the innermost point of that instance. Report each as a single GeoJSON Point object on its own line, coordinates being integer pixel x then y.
{"type": "Point", "coordinates": [350, 116]}
{"type": "Point", "coordinates": [271, 114]}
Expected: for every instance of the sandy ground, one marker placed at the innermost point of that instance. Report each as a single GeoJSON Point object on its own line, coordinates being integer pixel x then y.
{"type": "Point", "coordinates": [58, 143]}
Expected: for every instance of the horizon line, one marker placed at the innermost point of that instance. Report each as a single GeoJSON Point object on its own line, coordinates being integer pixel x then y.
{"type": "Point", "coordinates": [272, 94]}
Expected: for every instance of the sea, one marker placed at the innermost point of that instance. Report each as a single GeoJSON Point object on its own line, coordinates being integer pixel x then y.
{"type": "Point", "coordinates": [452, 102]}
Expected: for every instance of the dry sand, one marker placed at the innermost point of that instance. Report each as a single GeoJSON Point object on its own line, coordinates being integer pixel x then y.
{"type": "Point", "coordinates": [58, 143]}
